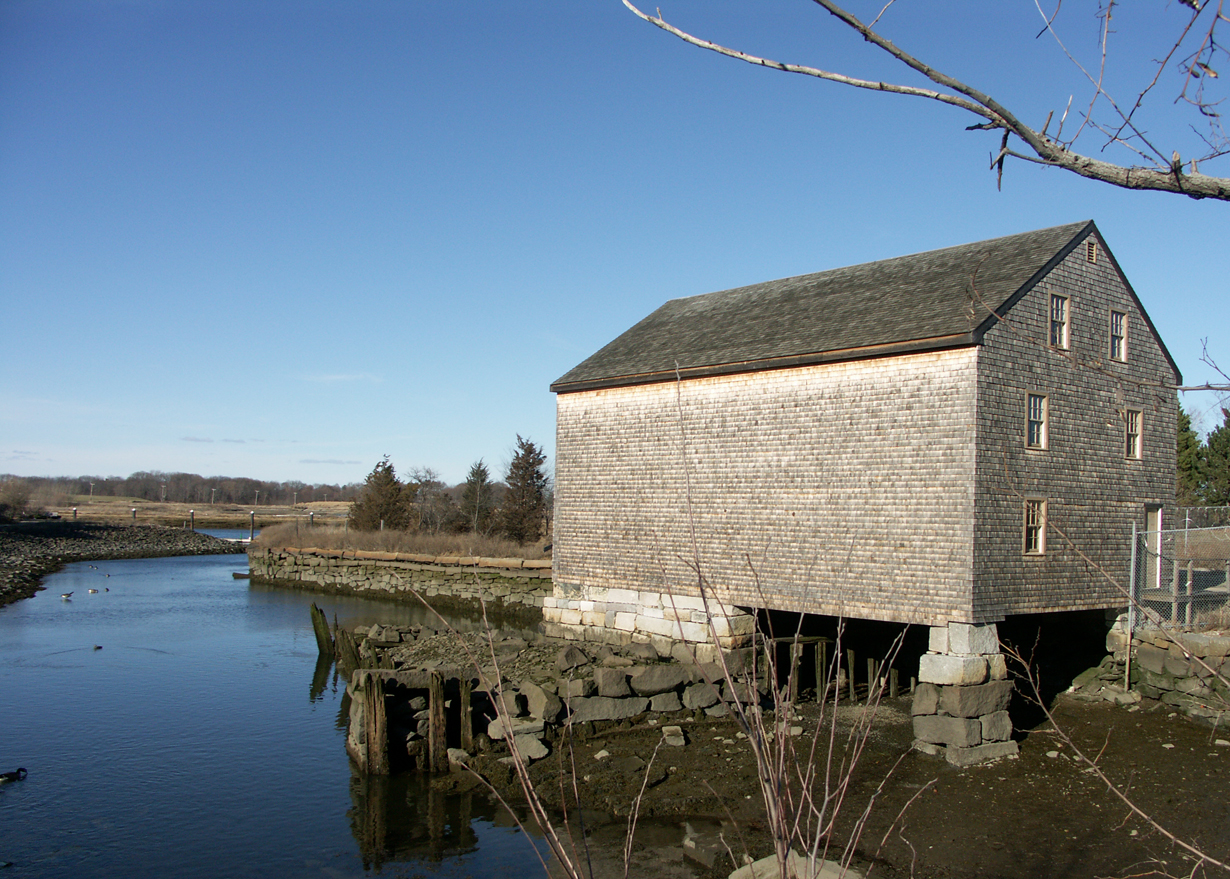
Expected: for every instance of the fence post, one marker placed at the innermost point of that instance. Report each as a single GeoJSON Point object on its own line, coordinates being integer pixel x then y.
{"type": "Point", "coordinates": [251, 526]}
{"type": "Point", "coordinates": [192, 520]}
{"type": "Point", "coordinates": [1131, 615]}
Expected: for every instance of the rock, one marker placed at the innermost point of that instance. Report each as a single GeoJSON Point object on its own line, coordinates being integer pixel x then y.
{"type": "Point", "coordinates": [977, 700]}
{"type": "Point", "coordinates": [700, 696]}
{"type": "Point", "coordinates": [577, 687]}
{"type": "Point", "coordinates": [628, 765]}
{"type": "Point", "coordinates": [530, 747]}
{"type": "Point", "coordinates": [939, 730]}
{"type": "Point", "coordinates": [665, 702]}
{"type": "Point", "coordinates": [458, 757]}
{"type": "Point", "coordinates": [659, 679]}
{"type": "Point", "coordinates": [926, 699]}
{"type": "Point", "coordinates": [605, 708]}
{"type": "Point", "coordinates": [541, 704]}
{"type": "Point", "coordinates": [938, 668]}
{"type": "Point", "coordinates": [642, 652]}
{"type": "Point", "coordinates": [612, 682]}
{"type": "Point", "coordinates": [497, 729]}
{"type": "Point", "coordinates": [617, 662]}
{"type": "Point", "coordinates": [570, 657]}
{"type": "Point", "coordinates": [797, 867]}
{"type": "Point", "coordinates": [981, 753]}
{"type": "Point", "coordinates": [718, 710]}
{"type": "Point", "coordinates": [996, 727]}
{"type": "Point", "coordinates": [673, 736]}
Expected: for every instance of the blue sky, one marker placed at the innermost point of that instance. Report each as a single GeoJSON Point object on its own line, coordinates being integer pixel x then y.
{"type": "Point", "coordinates": [283, 239]}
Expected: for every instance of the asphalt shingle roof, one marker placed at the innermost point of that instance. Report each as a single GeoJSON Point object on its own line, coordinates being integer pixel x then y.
{"type": "Point", "coordinates": [930, 300]}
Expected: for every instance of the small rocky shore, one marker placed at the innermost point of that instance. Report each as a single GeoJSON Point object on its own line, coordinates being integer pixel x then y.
{"type": "Point", "coordinates": [31, 551]}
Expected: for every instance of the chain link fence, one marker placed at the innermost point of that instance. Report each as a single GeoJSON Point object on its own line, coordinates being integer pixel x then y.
{"type": "Point", "coordinates": [1181, 577]}
{"type": "Point", "coordinates": [1205, 517]}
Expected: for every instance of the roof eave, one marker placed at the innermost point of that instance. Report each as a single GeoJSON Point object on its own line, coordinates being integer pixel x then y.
{"type": "Point", "coordinates": [913, 346]}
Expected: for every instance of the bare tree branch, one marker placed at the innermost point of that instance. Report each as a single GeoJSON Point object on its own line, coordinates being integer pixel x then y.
{"type": "Point", "coordinates": [1164, 175]}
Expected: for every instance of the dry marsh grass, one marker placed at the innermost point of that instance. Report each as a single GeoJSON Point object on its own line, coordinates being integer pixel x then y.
{"type": "Point", "coordinates": [298, 535]}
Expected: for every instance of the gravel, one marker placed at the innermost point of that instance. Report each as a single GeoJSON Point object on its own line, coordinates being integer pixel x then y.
{"type": "Point", "coordinates": [29, 552]}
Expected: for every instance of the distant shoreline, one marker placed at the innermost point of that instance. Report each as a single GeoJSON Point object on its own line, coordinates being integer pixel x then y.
{"type": "Point", "coordinates": [31, 551]}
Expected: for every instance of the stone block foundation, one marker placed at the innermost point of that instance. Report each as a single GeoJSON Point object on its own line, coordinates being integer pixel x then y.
{"type": "Point", "coordinates": [619, 617]}
{"type": "Point", "coordinates": [961, 702]}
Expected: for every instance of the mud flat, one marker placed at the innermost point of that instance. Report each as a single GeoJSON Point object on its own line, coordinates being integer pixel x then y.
{"type": "Point", "coordinates": [1041, 814]}
{"type": "Point", "coordinates": [29, 552]}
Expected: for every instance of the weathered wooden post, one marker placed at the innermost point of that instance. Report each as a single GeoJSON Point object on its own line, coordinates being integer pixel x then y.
{"type": "Point", "coordinates": [372, 752]}
{"type": "Point", "coordinates": [467, 719]}
{"type": "Point", "coordinates": [74, 514]}
{"type": "Point", "coordinates": [850, 671]}
{"type": "Point", "coordinates": [134, 515]}
{"type": "Point", "coordinates": [251, 526]}
{"type": "Point", "coordinates": [893, 690]}
{"type": "Point", "coordinates": [320, 625]}
{"type": "Point", "coordinates": [437, 725]}
{"type": "Point", "coordinates": [192, 520]}
{"type": "Point", "coordinates": [873, 677]}
{"type": "Point", "coordinates": [311, 519]}
{"type": "Point", "coordinates": [822, 680]}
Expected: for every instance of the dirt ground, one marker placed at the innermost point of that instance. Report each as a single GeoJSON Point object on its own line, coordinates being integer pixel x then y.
{"type": "Point", "coordinates": [1040, 815]}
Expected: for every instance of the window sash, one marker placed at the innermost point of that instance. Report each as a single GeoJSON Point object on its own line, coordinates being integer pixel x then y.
{"type": "Point", "coordinates": [1118, 336]}
{"type": "Point", "coordinates": [1059, 321]}
{"type": "Point", "coordinates": [1131, 433]}
{"type": "Point", "coordinates": [1035, 421]}
{"type": "Point", "coordinates": [1034, 530]}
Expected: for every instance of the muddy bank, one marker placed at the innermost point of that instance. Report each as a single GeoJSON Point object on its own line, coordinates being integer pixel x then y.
{"type": "Point", "coordinates": [1041, 814]}
{"type": "Point", "coordinates": [29, 552]}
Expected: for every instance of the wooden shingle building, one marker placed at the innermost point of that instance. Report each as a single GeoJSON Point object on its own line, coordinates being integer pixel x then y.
{"type": "Point", "coordinates": [931, 439]}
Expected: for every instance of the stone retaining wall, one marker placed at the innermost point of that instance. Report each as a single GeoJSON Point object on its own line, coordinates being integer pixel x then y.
{"type": "Point", "coordinates": [1189, 670]}
{"type": "Point", "coordinates": [512, 582]}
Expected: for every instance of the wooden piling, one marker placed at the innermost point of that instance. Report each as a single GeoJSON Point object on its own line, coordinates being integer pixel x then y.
{"type": "Point", "coordinates": [850, 663]}
{"type": "Point", "coordinates": [873, 678]}
{"type": "Point", "coordinates": [893, 690]}
{"type": "Point", "coordinates": [467, 719]}
{"type": "Point", "coordinates": [372, 754]}
{"type": "Point", "coordinates": [320, 625]}
{"type": "Point", "coordinates": [437, 726]}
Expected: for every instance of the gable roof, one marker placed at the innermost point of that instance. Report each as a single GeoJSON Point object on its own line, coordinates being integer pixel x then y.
{"type": "Point", "coordinates": [921, 302]}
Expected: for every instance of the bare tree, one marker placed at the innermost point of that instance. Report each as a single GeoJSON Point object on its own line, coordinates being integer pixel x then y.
{"type": "Point", "coordinates": [1191, 55]}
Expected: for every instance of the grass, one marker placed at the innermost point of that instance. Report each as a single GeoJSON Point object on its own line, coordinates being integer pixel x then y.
{"type": "Point", "coordinates": [297, 534]}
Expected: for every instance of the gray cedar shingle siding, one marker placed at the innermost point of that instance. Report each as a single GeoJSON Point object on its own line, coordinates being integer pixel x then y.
{"type": "Point", "coordinates": [881, 475]}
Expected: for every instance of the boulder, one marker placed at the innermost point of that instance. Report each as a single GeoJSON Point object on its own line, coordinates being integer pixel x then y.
{"type": "Point", "coordinates": [700, 696]}
{"type": "Point", "coordinates": [604, 708]}
{"type": "Point", "coordinates": [665, 702]}
{"type": "Point", "coordinates": [570, 657]}
{"type": "Point", "coordinates": [659, 679]}
{"type": "Point", "coordinates": [530, 747]}
{"type": "Point", "coordinates": [977, 700]}
{"type": "Point", "coordinates": [539, 703]}
{"type": "Point", "coordinates": [612, 682]}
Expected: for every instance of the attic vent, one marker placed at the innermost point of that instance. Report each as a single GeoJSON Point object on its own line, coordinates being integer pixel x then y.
{"type": "Point", "coordinates": [1091, 250]}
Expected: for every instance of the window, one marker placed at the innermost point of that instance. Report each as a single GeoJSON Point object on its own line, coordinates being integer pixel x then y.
{"type": "Point", "coordinates": [1091, 250]}
{"type": "Point", "coordinates": [1131, 433]}
{"type": "Point", "coordinates": [1035, 421]}
{"type": "Point", "coordinates": [1059, 321]}
{"type": "Point", "coordinates": [1118, 336]}
{"type": "Point", "coordinates": [1035, 526]}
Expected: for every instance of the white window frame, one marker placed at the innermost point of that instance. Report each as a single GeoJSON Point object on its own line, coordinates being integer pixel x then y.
{"type": "Point", "coordinates": [1060, 327]}
{"type": "Point", "coordinates": [1133, 434]}
{"type": "Point", "coordinates": [1033, 526]}
{"type": "Point", "coordinates": [1037, 421]}
{"type": "Point", "coordinates": [1119, 340]}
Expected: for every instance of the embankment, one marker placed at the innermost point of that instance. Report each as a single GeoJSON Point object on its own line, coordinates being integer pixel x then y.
{"type": "Point", "coordinates": [29, 552]}
{"type": "Point", "coordinates": [512, 586]}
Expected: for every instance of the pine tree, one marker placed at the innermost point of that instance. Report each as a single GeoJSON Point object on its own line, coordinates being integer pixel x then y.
{"type": "Point", "coordinates": [525, 502]}
{"type": "Point", "coordinates": [478, 499]}
{"type": "Point", "coordinates": [383, 499]}
{"type": "Point", "coordinates": [1217, 463]}
{"type": "Point", "coordinates": [1191, 470]}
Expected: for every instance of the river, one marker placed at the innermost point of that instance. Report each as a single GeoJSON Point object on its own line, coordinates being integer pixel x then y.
{"type": "Point", "coordinates": [176, 722]}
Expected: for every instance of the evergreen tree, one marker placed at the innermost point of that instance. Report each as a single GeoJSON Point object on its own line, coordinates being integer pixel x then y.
{"type": "Point", "coordinates": [1217, 463]}
{"type": "Point", "coordinates": [384, 499]}
{"type": "Point", "coordinates": [525, 501]}
{"type": "Point", "coordinates": [478, 499]}
{"type": "Point", "coordinates": [1190, 474]}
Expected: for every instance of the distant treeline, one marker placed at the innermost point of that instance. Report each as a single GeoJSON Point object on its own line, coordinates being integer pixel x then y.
{"type": "Point", "coordinates": [188, 488]}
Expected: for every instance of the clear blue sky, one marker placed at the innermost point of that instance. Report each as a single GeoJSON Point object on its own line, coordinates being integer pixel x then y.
{"type": "Point", "coordinates": [282, 239]}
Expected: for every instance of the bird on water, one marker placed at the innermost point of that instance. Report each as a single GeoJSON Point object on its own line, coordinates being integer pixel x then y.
{"type": "Point", "coordinates": [92, 591]}
{"type": "Point", "coordinates": [66, 595]}
{"type": "Point", "coordinates": [18, 775]}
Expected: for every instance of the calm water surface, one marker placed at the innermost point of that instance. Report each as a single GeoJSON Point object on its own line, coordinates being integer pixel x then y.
{"type": "Point", "coordinates": [203, 739]}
